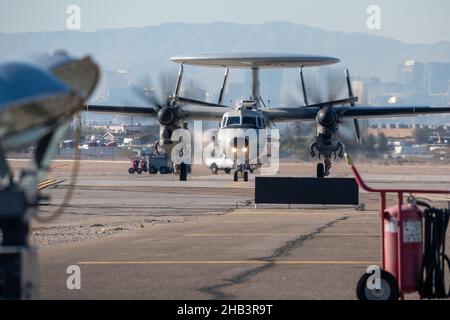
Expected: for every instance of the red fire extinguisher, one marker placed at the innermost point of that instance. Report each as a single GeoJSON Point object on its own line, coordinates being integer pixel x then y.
{"type": "Point", "coordinates": [411, 245]}
{"type": "Point", "coordinates": [408, 262]}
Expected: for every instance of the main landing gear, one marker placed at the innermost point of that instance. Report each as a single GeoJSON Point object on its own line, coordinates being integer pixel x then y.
{"type": "Point", "coordinates": [320, 170]}
{"type": "Point", "coordinates": [323, 169]}
{"type": "Point", "coordinates": [328, 151]}
{"type": "Point", "coordinates": [183, 169]}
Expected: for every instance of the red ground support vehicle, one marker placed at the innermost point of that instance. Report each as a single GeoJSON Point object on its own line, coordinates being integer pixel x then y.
{"type": "Point", "coordinates": [138, 165]}
{"type": "Point", "coordinates": [401, 245]}
{"type": "Point", "coordinates": [135, 166]}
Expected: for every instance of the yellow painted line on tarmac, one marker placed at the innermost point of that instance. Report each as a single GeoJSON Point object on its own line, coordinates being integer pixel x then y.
{"type": "Point", "coordinates": [239, 234]}
{"type": "Point", "coordinates": [277, 234]}
{"type": "Point", "coordinates": [48, 183]}
{"type": "Point", "coordinates": [230, 262]}
{"type": "Point", "coordinates": [264, 213]}
{"type": "Point", "coordinates": [347, 235]}
{"type": "Point", "coordinates": [286, 211]}
{"type": "Point", "coordinates": [44, 183]}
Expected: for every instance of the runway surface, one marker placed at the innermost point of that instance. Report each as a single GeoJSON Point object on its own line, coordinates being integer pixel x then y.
{"type": "Point", "coordinates": [142, 237]}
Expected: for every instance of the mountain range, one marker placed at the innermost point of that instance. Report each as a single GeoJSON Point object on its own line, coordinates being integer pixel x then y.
{"type": "Point", "coordinates": [148, 48]}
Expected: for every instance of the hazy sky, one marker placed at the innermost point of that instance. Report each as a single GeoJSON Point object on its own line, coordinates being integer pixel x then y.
{"type": "Point", "coordinates": [405, 20]}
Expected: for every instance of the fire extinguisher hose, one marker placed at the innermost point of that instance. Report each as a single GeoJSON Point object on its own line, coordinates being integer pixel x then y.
{"type": "Point", "coordinates": [433, 285]}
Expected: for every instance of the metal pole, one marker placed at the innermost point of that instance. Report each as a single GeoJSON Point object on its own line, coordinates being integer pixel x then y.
{"type": "Point", "coordinates": [383, 249]}
{"type": "Point", "coordinates": [399, 244]}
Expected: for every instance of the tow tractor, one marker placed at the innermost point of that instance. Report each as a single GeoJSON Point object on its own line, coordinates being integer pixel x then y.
{"type": "Point", "coordinates": [412, 247]}
{"type": "Point", "coordinates": [159, 163]}
{"type": "Point", "coordinates": [156, 163]}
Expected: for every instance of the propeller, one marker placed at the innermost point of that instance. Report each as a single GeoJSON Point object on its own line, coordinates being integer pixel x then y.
{"type": "Point", "coordinates": [323, 86]}
{"type": "Point", "coordinates": [327, 85]}
{"type": "Point", "coordinates": [163, 97]}
{"type": "Point", "coordinates": [162, 93]}
{"type": "Point", "coordinates": [335, 89]}
{"type": "Point", "coordinates": [156, 94]}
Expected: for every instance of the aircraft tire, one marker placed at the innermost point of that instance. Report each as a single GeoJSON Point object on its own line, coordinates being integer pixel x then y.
{"type": "Point", "coordinates": [245, 176]}
{"type": "Point", "coordinates": [320, 170]}
{"type": "Point", "coordinates": [183, 172]}
{"type": "Point", "coordinates": [236, 177]}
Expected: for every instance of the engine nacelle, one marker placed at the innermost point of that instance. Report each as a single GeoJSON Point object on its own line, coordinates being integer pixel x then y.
{"type": "Point", "coordinates": [167, 116]}
{"type": "Point", "coordinates": [327, 117]}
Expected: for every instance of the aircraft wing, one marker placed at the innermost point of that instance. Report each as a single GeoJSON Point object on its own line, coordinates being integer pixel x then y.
{"type": "Point", "coordinates": [202, 112]}
{"type": "Point", "coordinates": [362, 112]}
{"type": "Point", "coordinates": [291, 114]}
{"type": "Point", "coordinates": [199, 112]}
{"type": "Point", "coordinates": [126, 110]}
{"type": "Point", "coordinates": [188, 111]}
{"type": "Point", "coordinates": [357, 112]}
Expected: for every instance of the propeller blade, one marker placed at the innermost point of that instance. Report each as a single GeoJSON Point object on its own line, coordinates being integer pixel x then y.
{"type": "Point", "coordinates": [349, 85]}
{"type": "Point", "coordinates": [357, 130]}
{"type": "Point", "coordinates": [331, 103]}
{"type": "Point", "coordinates": [322, 86]}
{"type": "Point", "coordinates": [346, 129]}
{"type": "Point", "coordinates": [315, 89]}
{"type": "Point", "coordinates": [305, 95]}
{"type": "Point", "coordinates": [352, 104]}
{"type": "Point", "coordinates": [199, 103]}
{"type": "Point", "coordinates": [145, 90]}
{"type": "Point", "coordinates": [157, 94]}
{"type": "Point", "coordinates": [165, 87]}
{"type": "Point", "coordinates": [334, 85]}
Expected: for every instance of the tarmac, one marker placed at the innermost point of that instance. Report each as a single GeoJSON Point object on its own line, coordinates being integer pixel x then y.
{"type": "Point", "coordinates": [153, 237]}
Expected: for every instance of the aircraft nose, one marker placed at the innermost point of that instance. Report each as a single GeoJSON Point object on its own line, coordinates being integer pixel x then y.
{"type": "Point", "coordinates": [235, 142]}
{"type": "Point", "coordinates": [239, 144]}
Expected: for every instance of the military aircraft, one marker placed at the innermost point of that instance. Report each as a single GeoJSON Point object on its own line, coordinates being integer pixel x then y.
{"type": "Point", "coordinates": [253, 114]}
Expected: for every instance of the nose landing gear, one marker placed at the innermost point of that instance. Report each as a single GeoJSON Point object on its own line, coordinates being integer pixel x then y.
{"type": "Point", "coordinates": [242, 171]}
{"type": "Point", "coordinates": [240, 174]}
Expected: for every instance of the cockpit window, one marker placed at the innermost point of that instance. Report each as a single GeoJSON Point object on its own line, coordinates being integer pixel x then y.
{"type": "Point", "coordinates": [233, 121]}
{"type": "Point", "coordinates": [249, 121]}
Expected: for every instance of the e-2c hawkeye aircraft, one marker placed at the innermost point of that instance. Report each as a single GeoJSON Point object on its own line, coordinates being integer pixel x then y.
{"type": "Point", "coordinates": [175, 110]}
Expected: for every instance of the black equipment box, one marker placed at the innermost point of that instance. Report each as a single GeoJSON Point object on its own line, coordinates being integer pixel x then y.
{"type": "Point", "coordinates": [299, 190]}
